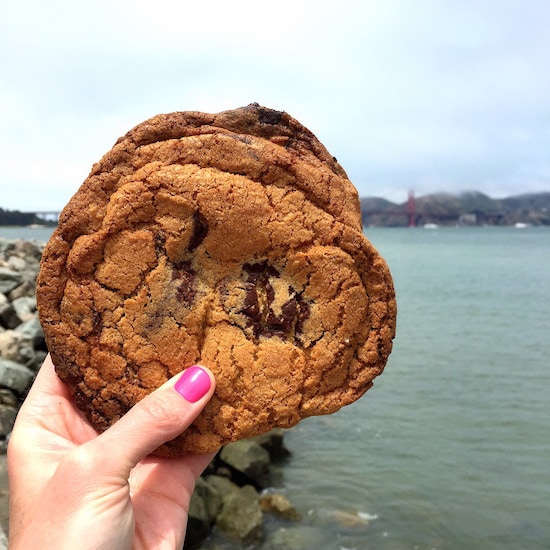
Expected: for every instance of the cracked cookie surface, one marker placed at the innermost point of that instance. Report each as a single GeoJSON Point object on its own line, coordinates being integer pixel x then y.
{"type": "Point", "coordinates": [232, 240]}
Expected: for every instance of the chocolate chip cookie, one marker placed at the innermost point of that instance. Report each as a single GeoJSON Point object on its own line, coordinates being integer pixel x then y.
{"type": "Point", "coordinates": [232, 240]}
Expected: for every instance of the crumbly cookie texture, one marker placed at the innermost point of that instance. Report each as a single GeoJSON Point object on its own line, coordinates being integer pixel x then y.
{"type": "Point", "coordinates": [231, 240]}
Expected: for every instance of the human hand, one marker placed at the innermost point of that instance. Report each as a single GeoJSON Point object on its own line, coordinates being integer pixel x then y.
{"type": "Point", "coordinates": [72, 488]}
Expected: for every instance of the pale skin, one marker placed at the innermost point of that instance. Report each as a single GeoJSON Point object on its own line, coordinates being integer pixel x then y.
{"type": "Point", "coordinates": [72, 488]}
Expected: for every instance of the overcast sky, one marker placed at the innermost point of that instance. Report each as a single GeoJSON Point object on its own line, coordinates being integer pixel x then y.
{"type": "Point", "coordinates": [430, 95]}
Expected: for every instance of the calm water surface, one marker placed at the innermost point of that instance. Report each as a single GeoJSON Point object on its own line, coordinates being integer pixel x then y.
{"type": "Point", "coordinates": [451, 448]}
{"type": "Point", "coordinates": [27, 233]}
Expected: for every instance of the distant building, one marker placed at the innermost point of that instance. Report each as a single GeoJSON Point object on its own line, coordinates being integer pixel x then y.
{"type": "Point", "coordinates": [468, 219]}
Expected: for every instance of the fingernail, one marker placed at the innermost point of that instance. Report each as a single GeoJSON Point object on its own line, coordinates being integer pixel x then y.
{"type": "Point", "coordinates": [193, 384]}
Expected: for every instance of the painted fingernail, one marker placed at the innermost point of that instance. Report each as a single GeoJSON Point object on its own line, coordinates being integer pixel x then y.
{"type": "Point", "coordinates": [193, 384]}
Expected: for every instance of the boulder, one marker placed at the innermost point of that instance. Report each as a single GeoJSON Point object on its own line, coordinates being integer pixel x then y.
{"type": "Point", "coordinates": [211, 497]}
{"type": "Point", "coordinates": [249, 461]}
{"type": "Point", "coordinates": [9, 405]}
{"type": "Point", "coordinates": [9, 279]}
{"type": "Point", "coordinates": [221, 485]}
{"type": "Point", "coordinates": [241, 516]}
{"type": "Point", "coordinates": [280, 506]}
{"type": "Point", "coordinates": [8, 316]}
{"type": "Point", "coordinates": [7, 397]}
{"type": "Point", "coordinates": [25, 307]}
{"type": "Point", "coordinates": [22, 343]}
{"type": "Point", "coordinates": [16, 263]}
{"type": "Point", "coordinates": [19, 346]}
{"type": "Point", "coordinates": [199, 524]}
{"type": "Point", "coordinates": [15, 376]}
{"type": "Point", "coordinates": [33, 331]}
{"type": "Point", "coordinates": [31, 251]}
{"type": "Point", "coordinates": [26, 288]}
{"type": "Point", "coordinates": [10, 343]}
{"type": "Point", "coordinates": [3, 540]}
{"type": "Point", "coordinates": [273, 443]}
{"type": "Point", "coordinates": [7, 418]}
{"type": "Point", "coordinates": [37, 359]}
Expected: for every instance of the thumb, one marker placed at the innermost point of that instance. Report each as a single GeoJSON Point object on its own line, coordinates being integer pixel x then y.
{"type": "Point", "coordinates": [157, 418]}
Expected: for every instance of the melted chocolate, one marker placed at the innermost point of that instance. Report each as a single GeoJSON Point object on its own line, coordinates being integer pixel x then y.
{"type": "Point", "coordinates": [258, 305]}
{"type": "Point", "coordinates": [184, 273]}
{"type": "Point", "coordinates": [200, 230]}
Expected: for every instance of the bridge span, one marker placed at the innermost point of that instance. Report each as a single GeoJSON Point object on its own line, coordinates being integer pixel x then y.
{"type": "Point", "coordinates": [46, 215]}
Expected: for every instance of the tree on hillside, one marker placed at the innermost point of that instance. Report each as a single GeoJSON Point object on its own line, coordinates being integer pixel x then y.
{"type": "Point", "coordinates": [15, 217]}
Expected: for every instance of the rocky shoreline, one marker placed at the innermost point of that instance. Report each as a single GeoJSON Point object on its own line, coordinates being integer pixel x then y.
{"type": "Point", "coordinates": [22, 345]}
{"type": "Point", "coordinates": [238, 500]}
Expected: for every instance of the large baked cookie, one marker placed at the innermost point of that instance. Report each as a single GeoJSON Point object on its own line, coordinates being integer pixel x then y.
{"type": "Point", "coordinates": [232, 240]}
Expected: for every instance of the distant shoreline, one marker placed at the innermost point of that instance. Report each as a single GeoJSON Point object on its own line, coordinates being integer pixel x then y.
{"type": "Point", "coordinates": [467, 209]}
{"type": "Point", "coordinates": [471, 208]}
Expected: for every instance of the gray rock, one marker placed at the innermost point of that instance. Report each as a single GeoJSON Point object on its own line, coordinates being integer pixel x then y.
{"type": "Point", "coordinates": [17, 263]}
{"type": "Point", "coordinates": [8, 316]}
{"type": "Point", "coordinates": [15, 376]}
{"type": "Point", "coordinates": [24, 306]}
{"type": "Point", "coordinates": [210, 496]}
{"type": "Point", "coordinates": [273, 443]}
{"type": "Point", "coordinates": [7, 397]}
{"type": "Point", "coordinates": [241, 516]}
{"type": "Point", "coordinates": [249, 458]}
{"type": "Point", "coordinates": [27, 357]}
{"type": "Point", "coordinates": [33, 331]}
{"type": "Point", "coordinates": [221, 485]}
{"type": "Point", "coordinates": [30, 250]}
{"type": "Point", "coordinates": [3, 540]}
{"type": "Point", "coordinates": [199, 524]}
{"type": "Point", "coordinates": [7, 418]}
{"type": "Point", "coordinates": [279, 505]}
{"type": "Point", "coordinates": [37, 359]}
{"type": "Point", "coordinates": [10, 343]}
{"type": "Point", "coordinates": [8, 274]}
{"type": "Point", "coordinates": [18, 346]}
{"type": "Point", "coordinates": [9, 405]}
{"type": "Point", "coordinates": [9, 279]}
{"type": "Point", "coordinates": [26, 288]}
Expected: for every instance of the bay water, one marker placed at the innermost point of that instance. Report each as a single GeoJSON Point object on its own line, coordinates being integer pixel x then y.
{"type": "Point", "coordinates": [451, 447]}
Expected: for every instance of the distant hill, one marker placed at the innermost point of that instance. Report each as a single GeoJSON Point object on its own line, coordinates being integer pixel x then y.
{"type": "Point", "coordinates": [14, 217]}
{"type": "Point", "coordinates": [469, 208]}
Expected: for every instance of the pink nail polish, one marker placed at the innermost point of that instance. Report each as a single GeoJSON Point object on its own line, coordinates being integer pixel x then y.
{"type": "Point", "coordinates": [193, 384]}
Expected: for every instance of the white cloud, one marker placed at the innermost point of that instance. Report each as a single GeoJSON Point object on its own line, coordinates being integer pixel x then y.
{"type": "Point", "coordinates": [428, 93]}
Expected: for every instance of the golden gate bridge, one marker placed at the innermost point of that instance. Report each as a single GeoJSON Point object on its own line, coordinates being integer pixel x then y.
{"type": "Point", "coordinates": [409, 211]}
{"type": "Point", "coordinates": [52, 216]}
{"type": "Point", "coordinates": [46, 215]}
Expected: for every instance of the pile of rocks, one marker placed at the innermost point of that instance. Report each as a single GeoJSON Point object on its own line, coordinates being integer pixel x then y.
{"type": "Point", "coordinates": [235, 494]}
{"type": "Point", "coordinates": [22, 345]}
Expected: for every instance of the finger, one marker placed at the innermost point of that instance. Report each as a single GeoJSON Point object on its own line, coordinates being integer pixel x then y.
{"type": "Point", "coordinates": [156, 419]}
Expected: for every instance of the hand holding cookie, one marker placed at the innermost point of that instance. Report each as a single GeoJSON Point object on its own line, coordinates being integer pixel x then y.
{"type": "Point", "coordinates": [232, 240]}
{"type": "Point", "coordinates": [73, 488]}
